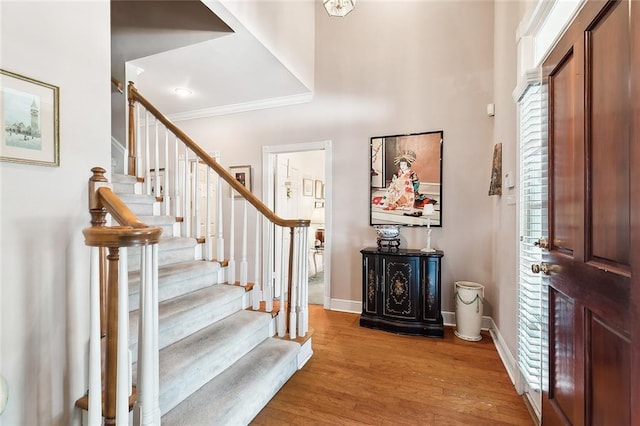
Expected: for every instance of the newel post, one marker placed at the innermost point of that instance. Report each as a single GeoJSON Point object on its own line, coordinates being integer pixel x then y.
{"type": "Point", "coordinates": [132, 132]}
{"type": "Point", "coordinates": [99, 219]}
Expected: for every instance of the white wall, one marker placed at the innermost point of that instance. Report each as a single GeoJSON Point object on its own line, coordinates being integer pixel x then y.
{"type": "Point", "coordinates": [390, 67]}
{"type": "Point", "coordinates": [284, 27]}
{"type": "Point", "coordinates": [43, 259]}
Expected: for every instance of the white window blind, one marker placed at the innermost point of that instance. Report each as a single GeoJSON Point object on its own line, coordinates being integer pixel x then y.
{"type": "Point", "coordinates": [532, 301]}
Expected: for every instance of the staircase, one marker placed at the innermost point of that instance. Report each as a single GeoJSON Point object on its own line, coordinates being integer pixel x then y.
{"type": "Point", "coordinates": [219, 362]}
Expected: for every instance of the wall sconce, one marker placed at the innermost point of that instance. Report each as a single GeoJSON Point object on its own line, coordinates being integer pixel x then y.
{"type": "Point", "coordinates": [339, 7]}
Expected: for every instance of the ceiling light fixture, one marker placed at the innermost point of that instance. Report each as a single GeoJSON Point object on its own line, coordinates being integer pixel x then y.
{"type": "Point", "coordinates": [339, 7]}
{"type": "Point", "coordinates": [181, 91]}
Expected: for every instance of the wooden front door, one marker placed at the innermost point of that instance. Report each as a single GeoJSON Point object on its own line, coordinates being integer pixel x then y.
{"type": "Point", "coordinates": [593, 256]}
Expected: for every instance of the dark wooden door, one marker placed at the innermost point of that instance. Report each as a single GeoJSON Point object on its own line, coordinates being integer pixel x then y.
{"type": "Point", "coordinates": [592, 258]}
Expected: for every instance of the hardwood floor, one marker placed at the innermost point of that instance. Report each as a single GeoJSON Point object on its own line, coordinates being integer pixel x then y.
{"type": "Point", "coordinates": [359, 376]}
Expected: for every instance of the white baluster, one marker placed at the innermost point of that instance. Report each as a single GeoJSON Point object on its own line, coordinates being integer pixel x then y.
{"type": "Point", "coordinates": [176, 180]}
{"type": "Point", "coordinates": [207, 226]}
{"type": "Point", "coordinates": [195, 187]}
{"type": "Point", "coordinates": [231, 267]}
{"type": "Point", "coordinates": [220, 234]}
{"type": "Point", "coordinates": [244, 265]}
{"type": "Point", "coordinates": [166, 194]}
{"type": "Point", "coordinates": [145, 338]}
{"type": "Point", "coordinates": [303, 315]}
{"type": "Point", "coordinates": [138, 162]}
{"type": "Point", "coordinates": [280, 279]}
{"type": "Point", "coordinates": [257, 292]}
{"type": "Point", "coordinates": [293, 297]}
{"type": "Point", "coordinates": [123, 389]}
{"type": "Point", "coordinates": [95, 362]}
{"type": "Point", "coordinates": [156, 160]}
{"type": "Point", "coordinates": [156, 343]}
{"type": "Point", "coordinates": [147, 156]}
{"type": "Point", "coordinates": [267, 288]}
{"type": "Point", "coordinates": [185, 194]}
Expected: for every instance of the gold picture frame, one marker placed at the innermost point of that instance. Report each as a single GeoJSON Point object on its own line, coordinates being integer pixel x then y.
{"type": "Point", "coordinates": [29, 114]}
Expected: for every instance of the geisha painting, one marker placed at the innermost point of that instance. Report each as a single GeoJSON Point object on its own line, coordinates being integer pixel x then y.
{"type": "Point", "coordinates": [406, 175]}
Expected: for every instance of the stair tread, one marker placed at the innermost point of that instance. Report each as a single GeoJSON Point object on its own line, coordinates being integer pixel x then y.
{"type": "Point", "coordinates": [191, 362]}
{"type": "Point", "coordinates": [239, 393]}
{"type": "Point", "coordinates": [157, 220]}
{"type": "Point", "coordinates": [121, 178]}
{"type": "Point", "coordinates": [188, 313]}
{"type": "Point", "coordinates": [183, 270]}
{"type": "Point", "coordinates": [172, 243]}
{"type": "Point", "coordinates": [137, 198]}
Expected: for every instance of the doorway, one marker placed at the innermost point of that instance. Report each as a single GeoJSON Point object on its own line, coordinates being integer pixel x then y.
{"type": "Point", "coordinates": [297, 184]}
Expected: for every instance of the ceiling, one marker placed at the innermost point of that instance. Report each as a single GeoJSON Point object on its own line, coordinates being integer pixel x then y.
{"type": "Point", "coordinates": [183, 43]}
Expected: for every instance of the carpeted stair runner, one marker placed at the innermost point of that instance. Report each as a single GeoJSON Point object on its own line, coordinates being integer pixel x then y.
{"type": "Point", "coordinates": [219, 364]}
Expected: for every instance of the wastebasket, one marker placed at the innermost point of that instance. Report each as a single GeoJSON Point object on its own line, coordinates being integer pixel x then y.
{"type": "Point", "coordinates": [469, 299]}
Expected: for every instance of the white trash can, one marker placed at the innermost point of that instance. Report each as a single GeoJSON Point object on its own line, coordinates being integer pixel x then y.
{"type": "Point", "coordinates": [469, 300]}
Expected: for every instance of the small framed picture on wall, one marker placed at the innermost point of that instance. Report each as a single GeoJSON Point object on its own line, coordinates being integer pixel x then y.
{"type": "Point", "coordinates": [307, 187]}
{"type": "Point", "coordinates": [242, 175]}
{"type": "Point", "coordinates": [319, 190]}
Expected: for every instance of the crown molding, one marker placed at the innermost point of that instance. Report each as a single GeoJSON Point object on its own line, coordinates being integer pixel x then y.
{"type": "Point", "coordinates": [243, 107]}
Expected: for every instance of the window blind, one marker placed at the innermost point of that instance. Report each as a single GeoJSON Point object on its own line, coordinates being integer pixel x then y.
{"type": "Point", "coordinates": [532, 300]}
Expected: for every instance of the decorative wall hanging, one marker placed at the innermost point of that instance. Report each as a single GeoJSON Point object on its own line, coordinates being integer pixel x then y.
{"type": "Point", "coordinates": [29, 117]}
{"type": "Point", "coordinates": [495, 186]}
{"type": "Point", "coordinates": [406, 174]}
{"type": "Point", "coordinates": [307, 187]}
{"type": "Point", "coordinates": [319, 190]}
{"type": "Point", "coordinates": [242, 175]}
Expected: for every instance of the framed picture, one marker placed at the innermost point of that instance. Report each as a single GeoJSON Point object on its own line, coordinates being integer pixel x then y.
{"type": "Point", "coordinates": [307, 187]}
{"type": "Point", "coordinates": [29, 117]}
{"type": "Point", "coordinates": [377, 163]}
{"type": "Point", "coordinates": [242, 175]}
{"type": "Point", "coordinates": [406, 176]}
{"type": "Point", "coordinates": [319, 190]}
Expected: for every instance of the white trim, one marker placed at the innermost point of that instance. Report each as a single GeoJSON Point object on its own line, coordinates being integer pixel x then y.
{"type": "Point", "coordinates": [268, 155]}
{"type": "Point", "coordinates": [342, 305]}
{"type": "Point", "coordinates": [243, 107]}
{"type": "Point", "coordinates": [305, 353]}
{"type": "Point", "coordinates": [531, 76]}
{"type": "Point", "coordinates": [511, 365]}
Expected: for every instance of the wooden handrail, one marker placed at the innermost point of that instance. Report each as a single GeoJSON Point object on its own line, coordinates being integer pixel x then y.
{"type": "Point", "coordinates": [133, 94]}
{"type": "Point", "coordinates": [117, 84]}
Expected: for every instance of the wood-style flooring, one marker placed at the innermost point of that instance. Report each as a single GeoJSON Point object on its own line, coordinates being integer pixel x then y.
{"type": "Point", "coordinates": [360, 376]}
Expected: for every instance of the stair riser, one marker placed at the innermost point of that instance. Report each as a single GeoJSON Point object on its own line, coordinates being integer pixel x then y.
{"type": "Point", "coordinates": [141, 209]}
{"type": "Point", "coordinates": [123, 187]}
{"type": "Point", "coordinates": [165, 257]}
{"type": "Point", "coordinates": [169, 288]}
{"type": "Point", "coordinates": [177, 328]}
{"type": "Point", "coordinates": [253, 380]}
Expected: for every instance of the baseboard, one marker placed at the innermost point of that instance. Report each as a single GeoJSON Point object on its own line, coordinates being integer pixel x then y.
{"type": "Point", "coordinates": [509, 361]}
{"type": "Point", "coordinates": [306, 351]}
{"type": "Point", "coordinates": [342, 305]}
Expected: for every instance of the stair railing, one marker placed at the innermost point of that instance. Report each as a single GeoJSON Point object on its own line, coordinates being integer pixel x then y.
{"type": "Point", "coordinates": [171, 165]}
{"type": "Point", "coordinates": [109, 312]}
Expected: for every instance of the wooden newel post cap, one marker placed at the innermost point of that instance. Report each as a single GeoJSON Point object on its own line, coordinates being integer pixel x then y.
{"type": "Point", "coordinates": [96, 180]}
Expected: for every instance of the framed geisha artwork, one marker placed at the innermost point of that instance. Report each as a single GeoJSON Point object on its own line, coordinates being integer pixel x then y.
{"type": "Point", "coordinates": [406, 176]}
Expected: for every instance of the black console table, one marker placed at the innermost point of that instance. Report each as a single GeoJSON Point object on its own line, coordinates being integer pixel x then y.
{"type": "Point", "coordinates": [401, 291]}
